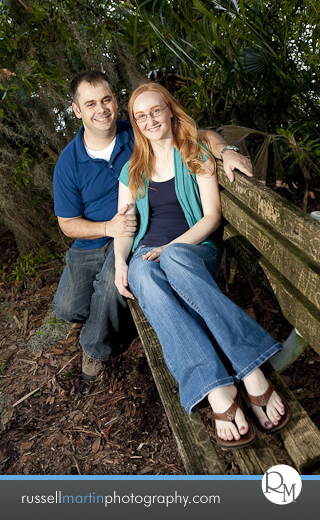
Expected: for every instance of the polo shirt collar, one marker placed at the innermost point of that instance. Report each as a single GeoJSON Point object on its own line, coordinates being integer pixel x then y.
{"type": "Point", "coordinates": [122, 138]}
{"type": "Point", "coordinates": [82, 155]}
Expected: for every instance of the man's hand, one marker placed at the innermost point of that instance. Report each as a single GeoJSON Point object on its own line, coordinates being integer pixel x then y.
{"type": "Point", "coordinates": [121, 281]}
{"type": "Point", "coordinates": [154, 254]}
{"type": "Point", "coordinates": [121, 225]}
{"type": "Point", "coordinates": [233, 160]}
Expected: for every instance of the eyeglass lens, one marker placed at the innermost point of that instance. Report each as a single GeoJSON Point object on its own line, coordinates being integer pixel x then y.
{"type": "Point", "coordinates": [141, 118]}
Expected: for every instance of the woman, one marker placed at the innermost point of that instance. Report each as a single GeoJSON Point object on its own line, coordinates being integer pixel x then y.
{"type": "Point", "coordinates": [208, 342]}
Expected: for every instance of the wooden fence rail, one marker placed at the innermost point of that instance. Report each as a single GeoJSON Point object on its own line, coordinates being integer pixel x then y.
{"type": "Point", "coordinates": [279, 246]}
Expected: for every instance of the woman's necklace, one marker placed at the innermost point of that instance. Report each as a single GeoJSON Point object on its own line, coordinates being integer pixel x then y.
{"type": "Point", "coordinates": [159, 171]}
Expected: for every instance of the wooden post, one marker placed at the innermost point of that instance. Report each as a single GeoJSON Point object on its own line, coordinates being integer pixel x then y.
{"type": "Point", "coordinates": [291, 350]}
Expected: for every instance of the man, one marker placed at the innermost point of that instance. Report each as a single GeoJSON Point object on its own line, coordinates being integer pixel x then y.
{"type": "Point", "coordinates": [85, 201]}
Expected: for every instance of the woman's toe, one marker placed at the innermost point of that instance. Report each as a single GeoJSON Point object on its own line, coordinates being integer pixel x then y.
{"type": "Point", "coordinates": [227, 435]}
{"type": "Point", "coordinates": [274, 417]}
{"type": "Point", "coordinates": [278, 401]}
{"type": "Point", "coordinates": [275, 411]}
{"type": "Point", "coordinates": [235, 432]}
{"type": "Point", "coordinates": [243, 429]}
{"type": "Point", "coordinates": [242, 425]}
{"type": "Point", "coordinates": [222, 434]}
{"type": "Point", "coordinates": [232, 435]}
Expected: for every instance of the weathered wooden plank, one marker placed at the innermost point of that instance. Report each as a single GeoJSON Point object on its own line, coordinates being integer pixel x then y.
{"type": "Point", "coordinates": [193, 441]}
{"type": "Point", "coordinates": [194, 444]}
{"type": "Point", "coordinates": [301, 437]}
{"type": "Point", "coordinates": [248, 257]}
{"type": "Point", "coordinates": [297, 268]}
{"type": "Point", "coordinates": [292, 348]}
{"type": "Point", "coordinates": [294, 306]}
{"type": "Point", "coordinates": [257, 458]}
{"type": "Point", "coordinates": [282, 215]}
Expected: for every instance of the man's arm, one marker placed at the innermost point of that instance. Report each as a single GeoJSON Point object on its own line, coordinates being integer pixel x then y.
{"type": "Point", "coordinates": [231, 160]}
{"type": "Point", "coordinates": [122, 225]}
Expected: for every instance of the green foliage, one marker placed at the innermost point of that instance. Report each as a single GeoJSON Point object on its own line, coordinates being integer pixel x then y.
{"type": "Point", "coordinates": [29, 265]}
{"type": "Point", "coordinates": [3, 365]}
{"type": "Point", "coordinates": [43, 45]}
{"type": "Point", "coordinates": [21, 172]}
{"type": "Point", "coordinates": [248, 62]}
{"type": "Point", "coordinates": [53, 321]}
{"type": "Point", "coordinates": [70, 373]}
{"type": "Point", "coordinates": [260, 58]}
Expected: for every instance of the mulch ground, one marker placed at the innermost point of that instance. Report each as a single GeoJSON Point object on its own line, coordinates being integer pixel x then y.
{"type": "Point", "coordinates": [53, 423]}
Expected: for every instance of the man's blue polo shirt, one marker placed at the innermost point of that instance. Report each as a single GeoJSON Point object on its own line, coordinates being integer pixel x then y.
{"type": "Point", "coordinates": [89, 187]}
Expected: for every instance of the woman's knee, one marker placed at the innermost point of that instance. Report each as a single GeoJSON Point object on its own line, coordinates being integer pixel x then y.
{"type": "Point", "coordinates": [172, 252]}
{"type": "Point", "coordinates": [186, 258]}
{"type": "Point", "coordinates": [175, 255]}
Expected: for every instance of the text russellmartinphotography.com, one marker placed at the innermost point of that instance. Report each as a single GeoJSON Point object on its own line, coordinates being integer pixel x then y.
{"type": "Point", "coordinates": [107, 500]}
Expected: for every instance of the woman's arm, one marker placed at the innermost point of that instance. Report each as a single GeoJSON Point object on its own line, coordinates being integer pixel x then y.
{"type": "Point", "coordinates": [211, 205]}
{"type": "Point", "coordinates": [123, 245]}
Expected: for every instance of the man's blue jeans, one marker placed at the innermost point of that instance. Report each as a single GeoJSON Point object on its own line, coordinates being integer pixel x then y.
{"type": "Point", "coordinates": [176, 295]}
{"type": "Point", "coordinates": [87, 294]}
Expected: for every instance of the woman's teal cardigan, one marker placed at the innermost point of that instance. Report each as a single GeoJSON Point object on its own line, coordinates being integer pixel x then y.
{"type": "Point", "coordinates": [188, 195]}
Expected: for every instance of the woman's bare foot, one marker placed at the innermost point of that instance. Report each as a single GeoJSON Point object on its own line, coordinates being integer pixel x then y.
{"type": "Point", "coordinates": [256, 384]}
{"type": "Point", "coordinates": [220, 400]}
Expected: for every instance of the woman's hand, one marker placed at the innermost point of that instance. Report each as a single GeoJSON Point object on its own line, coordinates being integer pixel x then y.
{"type": "Point", "coordinates": [154, 254]}
{"type": "Point", "coordinates": [121, 281]}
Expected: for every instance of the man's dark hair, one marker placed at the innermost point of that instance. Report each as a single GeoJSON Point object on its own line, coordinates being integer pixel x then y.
{"type": "Point", "coordinates": [93, 77]}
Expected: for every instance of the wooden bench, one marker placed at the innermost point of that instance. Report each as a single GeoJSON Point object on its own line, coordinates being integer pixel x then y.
{"type": "Point", "coordinates": [278, 245]}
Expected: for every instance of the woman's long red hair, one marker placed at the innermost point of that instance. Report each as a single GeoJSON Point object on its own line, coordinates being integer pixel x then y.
{"type": "Point", "coordinates": [185, 139]}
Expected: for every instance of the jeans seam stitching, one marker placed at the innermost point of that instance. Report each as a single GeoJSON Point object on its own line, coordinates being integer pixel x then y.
{"type": "Point", "coordinates": [184, 297]}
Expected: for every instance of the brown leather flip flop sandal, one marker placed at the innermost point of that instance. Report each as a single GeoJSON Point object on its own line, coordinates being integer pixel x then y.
{"type": "Point", "coordinates": [262, 401]}
{"type": "Point", "coordinates": [229, 415]}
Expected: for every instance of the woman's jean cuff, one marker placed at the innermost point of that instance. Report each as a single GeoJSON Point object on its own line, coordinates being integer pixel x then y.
{"type": "Point", "coordinates": [193, 405]}
{"type": "Point", "coordinates": [258, 362]}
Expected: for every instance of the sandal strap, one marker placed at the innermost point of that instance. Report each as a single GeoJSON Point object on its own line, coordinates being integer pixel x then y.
{"type": "Point", "coordinates": [229, 415]}
{"type": "Point", "coordinates": [262, 400]}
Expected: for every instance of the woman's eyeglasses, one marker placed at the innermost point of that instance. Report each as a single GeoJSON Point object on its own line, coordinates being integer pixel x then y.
{"type": "Point", "coordinates": [141, 118]}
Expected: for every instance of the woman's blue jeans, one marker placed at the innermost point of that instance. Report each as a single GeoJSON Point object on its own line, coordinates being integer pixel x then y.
{"type": "Point", "coordinates": [87, 294]}
{"type": "Point", "coordinates": [176, 295]}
